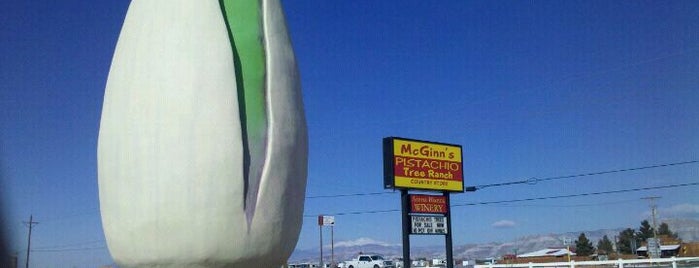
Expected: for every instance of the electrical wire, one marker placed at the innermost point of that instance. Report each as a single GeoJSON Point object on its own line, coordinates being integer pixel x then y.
{"type": "Point", "coordinates": [523, 199]}
{"type": "Point", "coordinates": [482, 186]}
{"type": "Point", "coordinates": [346, 195]}
{"type": "Point", "coordinates": [89, 212]}
{"type": "Point", "coordinates": [530, 181]}
{"type": "Point", "coordinates": [69, 245]}
{"type": "Point", "coordinates": [535, 180]}
{"type": "Point", "coordinates": [68, 249]}
{"type": "Point", "coordinates": [575, 205]}
{"type": "Point", "coordinates": [579, 195]}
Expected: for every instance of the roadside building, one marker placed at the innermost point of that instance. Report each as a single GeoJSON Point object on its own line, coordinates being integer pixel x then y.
{"type": "Point", "coordinates": [669, 247]}
{"type": "Point", "coordinates": [678, 249]}
{"type": "Point", "coordinates": [547, 255]}
{"type": "Point", "coordinates": [547, 252]}
{"type": "Point", "coordinates": [666, 251]}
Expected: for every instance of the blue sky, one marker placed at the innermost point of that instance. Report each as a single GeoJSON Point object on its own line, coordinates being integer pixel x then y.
{"type": "Point", "coordinates": [529, 89]}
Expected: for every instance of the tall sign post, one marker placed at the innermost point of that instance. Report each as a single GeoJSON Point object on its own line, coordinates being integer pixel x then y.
{"type": "Point", "coordinates": [320, 231]}
{"type": "Point", "coordinates": [567, 241]}
{"type": "Point", "coordinates": [426, 166]}
{"type": "Point", "coordinates": [327, 221]}
{"type": "Point", "coordinates": [448, 241]}
{"type": "Point", "coordinates": [407, 227]}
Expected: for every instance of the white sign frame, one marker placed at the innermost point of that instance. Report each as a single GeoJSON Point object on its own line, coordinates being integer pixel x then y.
{"type": "Point", "coordinates": [327, 221]}
{"type": "Point", "coordinates": [428, 225]}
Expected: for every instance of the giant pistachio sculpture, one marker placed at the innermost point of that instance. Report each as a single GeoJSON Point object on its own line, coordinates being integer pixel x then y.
{"type": "Point", "coordinates": [202, 150]}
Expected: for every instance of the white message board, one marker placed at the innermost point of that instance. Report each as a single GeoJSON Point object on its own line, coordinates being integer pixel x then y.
{"type": "Point", "coordinates": [428, 225]}
{"type": "Point", "coordinates": [326, 220]}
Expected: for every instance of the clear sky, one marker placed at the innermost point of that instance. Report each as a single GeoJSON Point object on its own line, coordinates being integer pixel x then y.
{"type": "Point", "coordinates": [530, 89]}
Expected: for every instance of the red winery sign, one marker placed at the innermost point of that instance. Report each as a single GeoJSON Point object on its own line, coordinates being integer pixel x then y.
{"type": "Point", "coordinates": [433, 204]}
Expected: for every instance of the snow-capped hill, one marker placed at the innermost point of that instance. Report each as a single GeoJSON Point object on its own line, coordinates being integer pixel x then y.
{"type": "Point", "coordinates": [345, 250]}
{"type": "Point", "coordinates": [362, 241]}
{"type": "Point", "coordinates": [688, 230]}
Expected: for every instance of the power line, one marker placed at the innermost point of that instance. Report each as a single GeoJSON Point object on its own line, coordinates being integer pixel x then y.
{"type": "Point", "coordinates": [68, 249]}
{"type": "Point", "coordinates": [360, 212]}
{"type": "Point", "coordinates": [69, 245]}
{"type": "Point", "coordinates": [577, 205]}
{"type": "Point", "coordinates": [482, 186]}
{"type": "Point", "coordinates": [580, 195]}
{"type": "Point", "coordinates": [527, 181]}
{"type": "Point", "coordinates": [526, 199]}
{"type": "Point", "coordinates": [346, 195]}
{"type": "Point", "coordinates": [535, 180]}
{"type": "Point", "coordinates": [91, 211]}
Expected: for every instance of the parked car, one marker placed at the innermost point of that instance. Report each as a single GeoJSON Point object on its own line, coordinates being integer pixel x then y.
{"type": "Point", "coordinates": [369, 261]}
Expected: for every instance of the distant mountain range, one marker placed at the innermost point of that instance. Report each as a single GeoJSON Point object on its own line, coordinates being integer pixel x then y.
{"type": "Point", "coordinates": [687, 229]}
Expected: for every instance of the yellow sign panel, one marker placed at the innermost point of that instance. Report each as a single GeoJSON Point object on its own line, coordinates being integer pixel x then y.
{"type": "Point", "coordinates": [425, 150]}
{"type": "Point", "coordinates": [423, 165]}
{"type": "Point", "coordinates": [427, 184]}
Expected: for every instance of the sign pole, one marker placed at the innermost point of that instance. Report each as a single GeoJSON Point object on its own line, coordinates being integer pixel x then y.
{"type": "Point", "coordinates": [332, 245]}
{"type": "Point", "coordinates": [405, 203]}
{"type": "Point", "coordinates": [320, 230]}
{"type": "Point", "coordinates": [567, 241]}
{"type": "Point", "coordinates": [450, 257]}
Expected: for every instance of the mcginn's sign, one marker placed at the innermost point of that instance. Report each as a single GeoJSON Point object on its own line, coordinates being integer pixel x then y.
{"type": "Point", "coordinates": [422, 165]}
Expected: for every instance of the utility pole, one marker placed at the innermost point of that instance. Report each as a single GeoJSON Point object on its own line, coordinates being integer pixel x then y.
{"type": "Point", "coordinates": [657, 252]}
{"type": "Point", "coordinates": [653, 208]}
{"type": "Point", "coordinates": [29, 224]}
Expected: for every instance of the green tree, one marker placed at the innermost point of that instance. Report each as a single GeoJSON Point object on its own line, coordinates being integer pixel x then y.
{"type": "Point", "coordinates": [625, 244]}
{"type": "Point", "coordinates": [583, 246]}
{"type": "Point", "coordinates": [604, 246]}
{"type": "Point", "coordinates": [664, 229]}
{"type": "Point", "coordinates": [645, 231]}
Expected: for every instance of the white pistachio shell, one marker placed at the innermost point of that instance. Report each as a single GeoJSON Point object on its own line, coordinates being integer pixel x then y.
{"type": "Point", "coordinates": [170, 154]}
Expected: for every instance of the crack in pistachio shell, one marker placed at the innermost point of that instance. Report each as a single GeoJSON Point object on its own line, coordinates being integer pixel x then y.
{"type": "Point", "coordinates": [243, 20]}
